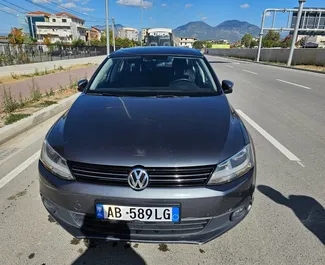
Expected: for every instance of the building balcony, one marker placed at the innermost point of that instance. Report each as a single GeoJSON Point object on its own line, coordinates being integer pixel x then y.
{"type": "Point", "coordinates": [53, 24]}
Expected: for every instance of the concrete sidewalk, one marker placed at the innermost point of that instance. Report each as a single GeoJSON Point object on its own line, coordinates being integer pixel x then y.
{"type": "Point", "coordinates": [30, 68]}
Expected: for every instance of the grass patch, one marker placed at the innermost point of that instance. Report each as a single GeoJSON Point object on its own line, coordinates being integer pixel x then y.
{"type": "Point", "coordinates": [47, 103]}
{"type": "Point", "coordinates": [12, 118]}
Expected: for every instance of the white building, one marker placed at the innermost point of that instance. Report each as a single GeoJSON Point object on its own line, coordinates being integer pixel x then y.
{"type": "Point", "coordinates": [61, 27]}
{"type": "Point", "coordinates": [129, 33]}
{"type": "Point", "coordinates": [187, 42]}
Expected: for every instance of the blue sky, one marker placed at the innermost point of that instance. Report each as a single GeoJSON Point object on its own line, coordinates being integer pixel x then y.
{"type": "Point", "coordinates": [158, 13]}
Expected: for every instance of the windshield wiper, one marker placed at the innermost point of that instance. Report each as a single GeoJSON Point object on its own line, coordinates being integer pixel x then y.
{"type": "Point", "coordinates": [170, 96]}
{"type": "Point", "coordinates": [105, 94]}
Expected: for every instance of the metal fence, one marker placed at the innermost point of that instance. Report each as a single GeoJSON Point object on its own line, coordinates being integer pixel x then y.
{"type": "Point", "coordinates": [33, 53]}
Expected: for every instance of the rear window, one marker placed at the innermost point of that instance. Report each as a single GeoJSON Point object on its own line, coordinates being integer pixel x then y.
{"type": "Point", "coordinates": [154, 74]}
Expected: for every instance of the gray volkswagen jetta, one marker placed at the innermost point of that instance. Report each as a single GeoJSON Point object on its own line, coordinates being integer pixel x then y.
{"type": "Point", "coordinates": [151, 151]}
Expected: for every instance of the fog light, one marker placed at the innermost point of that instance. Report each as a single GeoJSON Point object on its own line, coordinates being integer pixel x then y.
{"type": "Point", "coordinates": [49, 205]}
{"type": "Point", "coordinates": [239, 213]}
{"type": "Point", "coordinates": [78, 218]}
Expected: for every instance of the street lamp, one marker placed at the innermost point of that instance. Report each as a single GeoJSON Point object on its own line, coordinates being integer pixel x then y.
{"type": "Point", "coordinates": [295, 33]}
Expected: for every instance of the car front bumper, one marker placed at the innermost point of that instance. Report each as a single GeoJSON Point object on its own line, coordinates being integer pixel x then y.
{"type": "Point", "coordinates": [206, 212]}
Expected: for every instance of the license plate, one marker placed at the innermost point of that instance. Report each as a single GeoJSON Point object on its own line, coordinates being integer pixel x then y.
{"type": "Point", "coordinates": [145, 214]}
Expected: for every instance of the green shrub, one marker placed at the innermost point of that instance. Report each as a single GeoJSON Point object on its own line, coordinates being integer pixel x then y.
{"type": "Point", "coordinates": [47, 103]}
{"type": "Point", "coordinates": [35, 92]}
{"type": "Point", "coordinates": [9, 103]}
{"type": "Point", "coordinates": [15, 117]}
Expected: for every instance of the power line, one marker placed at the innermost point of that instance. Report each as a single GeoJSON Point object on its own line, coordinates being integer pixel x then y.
{"type": "Point", "coordinates": [12, 8]}
{"type": "Point", "coordinates": [16, 5]}
{"type": "Point", "coordinates": [70, 10]}
{"type": "Point", "coordinates": [7, 13]}
{"type": "Point", "coordinates": [52, 10]}
{"type": "Point", "coordinates": [41, 6]}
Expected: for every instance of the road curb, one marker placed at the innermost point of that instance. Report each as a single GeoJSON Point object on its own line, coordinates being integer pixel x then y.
{"type": "Point", "coordinates": [274, 65]}
{"type": "Point", "coordinates": [10, 131]}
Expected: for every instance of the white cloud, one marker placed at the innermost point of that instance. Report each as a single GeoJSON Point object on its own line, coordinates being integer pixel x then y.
{"type": "Point", "coordinates": [86, 9]}
{"type": "Point", "coordinates": [69, 5]}
{"type": "Point", "coordinates": [39, 1]}
{"type": "Point", "coordinates": [188, 5]}
{"type": "Point", "coordinates": [244, 6]}
{"type": "Point", "coordinates": [85, 2]}
{"type": "Point", "coordinates": [164, 5]}
{"type": "Point", "coordinates": [268, 14]}
{"type": "Point", "coordinates": [45, 1]}
{"type": "Point", "coordinates": [204, 18]}
{"type": "Point", "coordinates": [134, 3]}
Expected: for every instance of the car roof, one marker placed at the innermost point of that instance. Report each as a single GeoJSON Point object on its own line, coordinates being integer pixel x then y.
{"type": "Point", "coordinates": [157, 50]}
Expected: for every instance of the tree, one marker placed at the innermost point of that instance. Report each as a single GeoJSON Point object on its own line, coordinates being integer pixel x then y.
{"type": "Point", "coordinates": [95, 43]}
{"type": "Point", "coordinates": [78, 43]}
{"type": "Point", "coordinates": [271, 39]}
{"type": "Point", "coordinates": [47, 40]}
{"type": "Point", "coordinates": [16, 36]}
{"type": "Point", "coordinates": [254, 43]}
{"type": "Point", "coordinates": [208, 45]}
{"type": "Point", "coordinates": [103, 38]}
{"type": "Point", "coordinates": [29, 40]}
{"type": "Point", "coordinates": [246, 40]}
{"type": "Point", "coordinates": [198, 45]}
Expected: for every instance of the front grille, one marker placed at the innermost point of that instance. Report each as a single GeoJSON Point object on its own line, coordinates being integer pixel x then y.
{"type": "Point", "coordinates": [141, 228]}
{"type": "Point", "coordinates": [159, 177]}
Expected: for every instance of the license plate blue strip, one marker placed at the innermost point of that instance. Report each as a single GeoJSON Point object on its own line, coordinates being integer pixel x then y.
{"type": "Point", "coordinates": [175, 214]}
{"type": "Point", "coordinates": [100, 211]}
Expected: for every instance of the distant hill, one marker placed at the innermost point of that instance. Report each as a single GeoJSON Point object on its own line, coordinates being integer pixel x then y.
{"type": "Point", "coordinates": [232, 30]}
{"type": "Point", "coordinates": [103, 27]}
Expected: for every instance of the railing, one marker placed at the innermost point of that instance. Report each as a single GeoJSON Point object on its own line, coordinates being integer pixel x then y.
{"type": "Point", "coordinates": [32, 53]}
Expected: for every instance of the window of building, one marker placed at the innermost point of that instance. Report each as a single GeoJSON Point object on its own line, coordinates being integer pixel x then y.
{"type": "Point", "coordinates": [53, 20]}
{"type": "Point", "coordinates": [64, 20]}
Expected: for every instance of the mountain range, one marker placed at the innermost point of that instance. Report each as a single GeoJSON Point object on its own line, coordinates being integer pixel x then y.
{"type": "Point", "coordinates": [232, 30]}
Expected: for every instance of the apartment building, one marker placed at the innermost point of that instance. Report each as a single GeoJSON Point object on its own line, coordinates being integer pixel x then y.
{"type": "Point", "coordinates": [58, 27]}
{"type": "Point", "coordinates": [187, 42]}
{"type": "Point", "coordinates": [93, 34]}
{"type": "Point", "coordinates": [129, 33]}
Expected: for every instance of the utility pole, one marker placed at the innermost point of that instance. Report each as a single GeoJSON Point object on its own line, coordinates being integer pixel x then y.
{"type": "Point", "coordinates": [141, 19]}
{"type": "Point", "coordinates": [261, 38]}
{"type": "Point", "coordinates": [107, 29]}
{"type": "Point", "coordinates": [295, 34]}
{"type": "Point", "coordinates": [113, 28]}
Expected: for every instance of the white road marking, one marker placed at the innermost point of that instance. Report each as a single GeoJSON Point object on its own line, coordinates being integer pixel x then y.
{"type": "Point", "coordinates": [269, 137]}
{"type": "Point", "coordinates": [301, 164]}
{"type": "Point", "coordinates": [236, 63]}
{"type": "Point", "coordinates": [14, 173]}
{"type": "Point", "coordinates": [292, 84]}
{"type": "Point", "coordinates": [250, 72]}
{"type": "Point", "coordinates": [229, 66]}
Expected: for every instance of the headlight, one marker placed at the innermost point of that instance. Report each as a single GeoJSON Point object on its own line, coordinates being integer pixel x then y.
{"type": "Point", "coordinates": [234, 167]}
{"type": "Point", "coordinates": [54, 162]}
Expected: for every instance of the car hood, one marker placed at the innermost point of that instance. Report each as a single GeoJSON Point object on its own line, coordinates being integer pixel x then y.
{"type": "Point", "coordinates": [150, 132]}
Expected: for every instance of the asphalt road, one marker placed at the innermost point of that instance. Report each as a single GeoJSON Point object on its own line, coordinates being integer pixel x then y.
{"type": "Point", "coordinates": [287, 221]}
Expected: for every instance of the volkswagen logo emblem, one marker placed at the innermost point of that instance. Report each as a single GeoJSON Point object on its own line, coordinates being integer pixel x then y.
{"type": "Point", "coordinates": [138, 179]}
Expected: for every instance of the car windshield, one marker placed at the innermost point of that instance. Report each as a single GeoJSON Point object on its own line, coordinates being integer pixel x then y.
{"type": "Point", "coordinates": [154, 75]}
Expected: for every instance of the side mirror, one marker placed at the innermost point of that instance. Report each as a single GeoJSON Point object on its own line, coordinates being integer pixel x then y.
{"type": "Point", "coordinates": [227, 86]}
{"type": "Point", "coordinates": [82, 85]}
